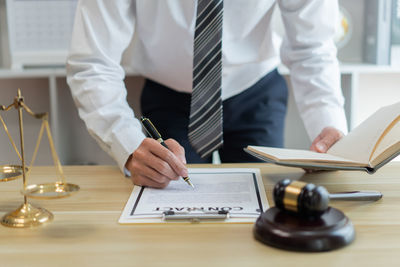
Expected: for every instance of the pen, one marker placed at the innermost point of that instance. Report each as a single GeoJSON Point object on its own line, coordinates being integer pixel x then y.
{"type": "Point", "coordinates": [152, 131]}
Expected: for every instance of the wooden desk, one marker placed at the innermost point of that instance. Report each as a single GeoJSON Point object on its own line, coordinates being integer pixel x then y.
{"type": "Point", "coordinates": [85, 231]}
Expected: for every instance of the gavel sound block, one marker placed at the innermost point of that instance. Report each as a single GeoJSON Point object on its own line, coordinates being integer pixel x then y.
{"type": "Point", "coordinates": [302, 220]}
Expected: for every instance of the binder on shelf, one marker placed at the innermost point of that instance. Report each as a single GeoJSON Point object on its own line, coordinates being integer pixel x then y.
{"type": "Point", "coordinates": [4, 43]}
{"type": "Point", "coordinates": [351, 23]}
{"type": "Point", "coordinates": [395, 49]}
{"type": "Point", "coordinates": [377, 31]}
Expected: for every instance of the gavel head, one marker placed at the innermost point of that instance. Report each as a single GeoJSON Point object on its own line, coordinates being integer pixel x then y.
{"type": "Point", "coordinates": [301, 198]}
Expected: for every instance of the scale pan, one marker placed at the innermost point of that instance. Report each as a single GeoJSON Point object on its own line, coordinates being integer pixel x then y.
{"type": "Point", "coordinates": [10, 172]}
{"type": "Point", "coordinates": [50, 190]}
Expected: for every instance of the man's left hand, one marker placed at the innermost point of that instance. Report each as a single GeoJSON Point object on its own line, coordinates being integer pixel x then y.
{"type": "Point", "coordinates": [326, 139]}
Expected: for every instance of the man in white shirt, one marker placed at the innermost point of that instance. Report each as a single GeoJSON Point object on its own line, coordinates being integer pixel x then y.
{"type": "Point", "coordinates": [155, 37]}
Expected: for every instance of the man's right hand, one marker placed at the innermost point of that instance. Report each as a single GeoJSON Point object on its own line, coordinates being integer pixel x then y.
{"type": "Point", "coordinates": [151, 164]}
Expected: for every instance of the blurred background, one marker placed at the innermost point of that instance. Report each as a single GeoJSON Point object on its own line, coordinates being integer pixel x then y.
{"type": "Point", "coordinates": [34, 40]}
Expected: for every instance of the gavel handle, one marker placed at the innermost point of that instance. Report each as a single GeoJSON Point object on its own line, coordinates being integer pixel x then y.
{"type": "Point", "coordinates": [356, 196]}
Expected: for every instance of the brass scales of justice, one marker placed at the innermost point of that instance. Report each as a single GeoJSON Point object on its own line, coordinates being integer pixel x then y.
{"type": "Point", "coordinates": [28, 215]}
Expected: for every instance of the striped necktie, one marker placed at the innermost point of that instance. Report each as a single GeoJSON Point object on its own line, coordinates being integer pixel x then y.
{"type": "Point", "coordinates": [205, 122]}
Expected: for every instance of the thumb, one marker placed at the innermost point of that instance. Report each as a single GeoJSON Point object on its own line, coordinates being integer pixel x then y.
{"type": "Point", "coordinates": [326, 139]}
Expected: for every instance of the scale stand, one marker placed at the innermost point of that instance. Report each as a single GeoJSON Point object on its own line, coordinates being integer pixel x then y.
{"type": "Point", "coordinates": [27, 215]}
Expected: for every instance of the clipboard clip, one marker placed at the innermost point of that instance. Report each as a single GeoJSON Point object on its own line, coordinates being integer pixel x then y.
{"type": "Point", "coordinates": [195, 217]}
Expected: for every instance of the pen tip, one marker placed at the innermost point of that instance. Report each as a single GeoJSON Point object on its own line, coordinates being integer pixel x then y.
{"type": "Point", "coordinates": [190, 184]}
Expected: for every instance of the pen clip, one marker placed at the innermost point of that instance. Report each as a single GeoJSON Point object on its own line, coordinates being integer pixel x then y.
{"type": "Point", "coordinates": [195, 217]}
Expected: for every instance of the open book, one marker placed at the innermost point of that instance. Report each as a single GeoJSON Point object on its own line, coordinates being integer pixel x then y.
{"type": "Point", "coordinates": [368, 147]}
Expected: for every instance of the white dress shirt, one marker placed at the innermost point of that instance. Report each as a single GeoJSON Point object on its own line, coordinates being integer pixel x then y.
{"type": "Point", "coordinates": [154, 38]}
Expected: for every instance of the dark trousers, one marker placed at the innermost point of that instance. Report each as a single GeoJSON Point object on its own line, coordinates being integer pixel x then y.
{"type": "Point", "coordinates": [254, 117]}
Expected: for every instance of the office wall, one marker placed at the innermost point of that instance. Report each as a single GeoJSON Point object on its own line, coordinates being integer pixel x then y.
{"type": "Point", "coordinates": [37, 98]}
{"type": "Point", "coordinates": [74, 144]}
{"type": "Point", "coordinates": [373, 91]}
{"type": "Point", "coordinates": [376, 91]}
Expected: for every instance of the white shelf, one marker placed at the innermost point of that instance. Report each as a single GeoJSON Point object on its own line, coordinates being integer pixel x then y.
{"type": "Point", "coordinates": [355, 68]}
{"type": "Point", "coordinates": [32, 73]}
{"type": "Point", "coordinates": [39, 72]}
{"type": "Point", "coordinates": [367, 68]}
{"type": "Point", "coordinates": [345, 68]}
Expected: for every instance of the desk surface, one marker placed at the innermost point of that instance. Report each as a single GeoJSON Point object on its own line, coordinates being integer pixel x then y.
{"type": "Point", "coordinates": [85, 231]}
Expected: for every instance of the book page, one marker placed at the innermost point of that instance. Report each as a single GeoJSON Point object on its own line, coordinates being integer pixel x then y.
{"type": "Point", "coordinates": [239, 191]}
{"type": "Point", "coordinates": [390, 140]}
{"type": "Point", "coordinates": [359, 144]}
{"type": "Point", "coordinates": [298, 155]}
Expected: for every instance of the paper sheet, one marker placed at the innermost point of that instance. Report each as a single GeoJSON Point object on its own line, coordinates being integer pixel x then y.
{"type": "Point", "coordinates": [237, 190]}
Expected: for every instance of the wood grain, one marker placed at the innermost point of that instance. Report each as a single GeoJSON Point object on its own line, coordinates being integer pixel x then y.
{"type": "Point", "coordinates": [85, 231]}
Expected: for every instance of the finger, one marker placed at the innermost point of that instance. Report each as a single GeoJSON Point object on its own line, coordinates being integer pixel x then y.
{"type": "Point", "coordinates": [307, 170]}
{"type": "Point", "coordinates": [162, 168]}
{"type": "Point", "coordinates": [141, 169]}
{"type": "Point", "coordinates": [169, 157]}
{"type": "Point", "coordinates": [329, 136]}
{"type": "Point", "coordinates": [144, 161]}
{"type": "Point", "coordinates": [177, 149]}
{"type": "Point", "coordinates": [146, 181]}
{"type": "Point", "coordinates": [316, 140]}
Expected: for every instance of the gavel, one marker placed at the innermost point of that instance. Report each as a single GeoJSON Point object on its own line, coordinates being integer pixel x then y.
{"type": "Point", "coordinates": [311, 200]}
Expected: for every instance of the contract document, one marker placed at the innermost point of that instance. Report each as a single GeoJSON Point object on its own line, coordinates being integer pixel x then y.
{"type": "Point", "coordinates": [237, 193]}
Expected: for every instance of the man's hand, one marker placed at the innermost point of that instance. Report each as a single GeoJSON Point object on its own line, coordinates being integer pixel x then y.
{"type": "Point", "coordinates": [326, 139]}
{"type": "Point", "coordinates": [151, 164]}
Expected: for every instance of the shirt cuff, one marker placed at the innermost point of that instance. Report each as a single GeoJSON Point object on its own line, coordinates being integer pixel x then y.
{"type": "Point", "coordinates": [316, 120]}
{"type": "Point", "coordinates": [125, 142]}
{"type": "Point", "coordinates": [127, 173]}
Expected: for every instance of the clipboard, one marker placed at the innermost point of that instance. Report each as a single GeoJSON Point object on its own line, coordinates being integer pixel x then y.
{"type": "Point", "coordinates": [221, 195]}
{"type": "Point", "coordinates": [221, 215]}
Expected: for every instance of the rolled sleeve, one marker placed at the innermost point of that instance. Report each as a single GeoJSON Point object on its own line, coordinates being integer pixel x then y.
{"type": "Point", "coordinates": [102, 31]}
{"type": "Point", "coordinates": [308, 50]}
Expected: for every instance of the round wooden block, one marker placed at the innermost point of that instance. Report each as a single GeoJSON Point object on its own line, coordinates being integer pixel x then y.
{"type": "Point", "coordinates": [289, 231]}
